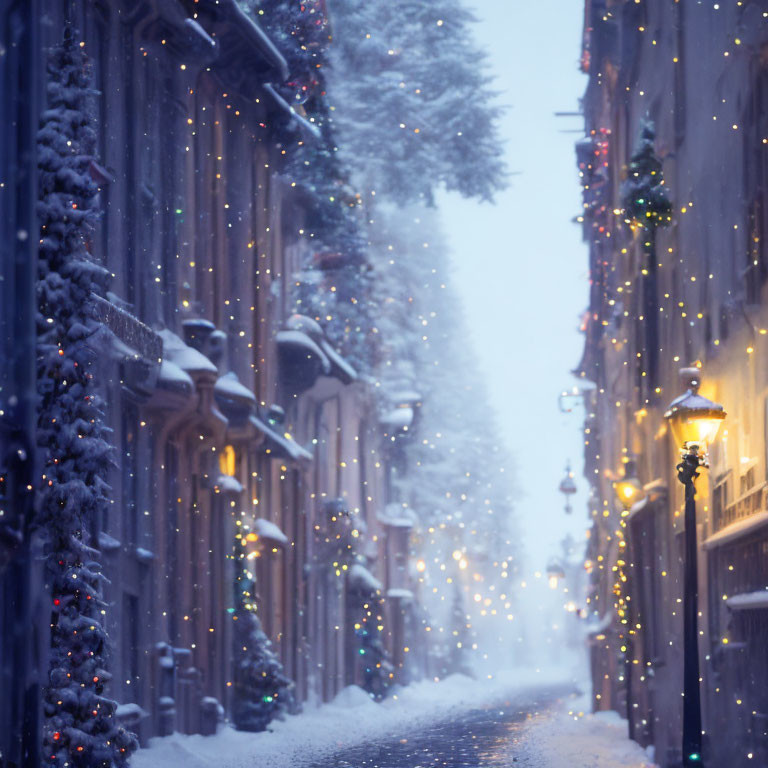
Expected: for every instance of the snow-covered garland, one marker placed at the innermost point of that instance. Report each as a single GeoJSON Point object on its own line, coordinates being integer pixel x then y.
{"type": "Point", "coordinates": [332, 286]}
{"type": "Point", "coordinates": [80, 728]}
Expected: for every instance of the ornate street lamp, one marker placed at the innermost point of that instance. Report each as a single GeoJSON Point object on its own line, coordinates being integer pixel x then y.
{"type": "Point", "coordinates": [568, 488]}
{"type": "Point", "coordinates": [694, 422]}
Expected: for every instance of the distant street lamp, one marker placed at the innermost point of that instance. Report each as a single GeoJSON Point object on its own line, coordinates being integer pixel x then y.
{"type": "Point", "coordinates": [628, 488]}
{"type": "Point", "coordinates": [568, 488]}
{"type": "Point", "coordinates": [555, 574]}
{"type": "Point", "coordinates": [694, 422]}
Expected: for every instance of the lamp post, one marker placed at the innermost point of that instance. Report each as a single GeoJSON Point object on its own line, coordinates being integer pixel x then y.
{"type": "Point", "coordinates": [694, 422]}
{"type": "Point", "coordinates": [555, 574]}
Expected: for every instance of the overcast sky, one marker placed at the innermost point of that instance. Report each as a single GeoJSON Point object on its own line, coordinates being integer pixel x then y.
{"type": "Point", "coordinates": [521, 268]}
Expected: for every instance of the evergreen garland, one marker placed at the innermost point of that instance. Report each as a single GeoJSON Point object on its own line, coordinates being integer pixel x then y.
{"type": "Point", "coordinates": [647, 207]}
{"type": "Point", "coordinates": [80, 728]}
{"type": "Point", "coordinates": [338, 297]}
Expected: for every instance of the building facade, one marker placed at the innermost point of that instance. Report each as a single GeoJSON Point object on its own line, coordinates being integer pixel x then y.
{"type": "Point", "coordinates": [698, 72]}
{"type": "Point", "coordinates": [244, 442]}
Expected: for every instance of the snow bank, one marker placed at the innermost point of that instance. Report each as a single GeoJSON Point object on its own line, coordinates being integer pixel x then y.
{"type": "Point", "coordinates": [351, 719]}
{"type": "Point", "coordinates": [568, 737]}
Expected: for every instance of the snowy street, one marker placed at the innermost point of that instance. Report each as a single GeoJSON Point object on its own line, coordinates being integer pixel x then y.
{"type": "Point", "coordinates": [530, 730]}
{"type": "Point", "coordinates": [494, 734]}
{"type": "Point", "coordinates": [531, 718]}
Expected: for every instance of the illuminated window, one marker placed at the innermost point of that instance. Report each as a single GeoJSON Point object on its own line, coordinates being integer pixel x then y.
{"type": "Point", "coordinates": [227, 461]}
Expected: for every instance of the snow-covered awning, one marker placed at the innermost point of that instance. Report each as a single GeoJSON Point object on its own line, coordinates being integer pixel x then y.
{"type": "Point", "coordinates": [301, 122]}
{"type": "Point", "coordinates": [269, 531]}
{"type": "Point", "coordinates": [303, 344]}
{"type": "Point", "coordinates": [280, 445]}
{"type": "Point", "coordinates": [107, 543]}
{"type": "Point", "coordinates": [361, 579]}
{"type": "Point", "coordinates": [243, 45]}
{"type": "Point", "coordinates": [753, 600]}
{"type": "Point", "coordinates": [397, 516]}
{"type": "Point", "coordinates": [340, 368]}
{"type": "Point", "coordinates": [185, 357]}
{"type": "Point", "coordinates": [230, 388]}
{"type": "Point", "coordinates": [130, 714]}
{"type": "Point", "coordinates": [399, 594]}
{"type": "Point", "coordinates": [737, 530]}
{"type": "Point", "coordinates": [405, 397]}
{"type": "Point", "coordinates": [174, 378]}
{"type": "Point", "coordinates": [600, 626]}
{"type": "Point", "coordinates": [227, 484]}
{"type": "Point", "coordinates": [398, 418]}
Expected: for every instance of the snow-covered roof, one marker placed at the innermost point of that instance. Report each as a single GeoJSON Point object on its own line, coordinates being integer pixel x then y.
{"type": "Point", "coordinates": [399, 418]}
{"type": "Point", "coordinates": [183, 356]}
{"type": "Point", "coordinates": [229, 386]}
{"type": "Point", "coordinates": [227, 484]}
{"type": "Point", "coordinates": [758, 599]}
{"type": "Point", "coordinates": [738, 529]}
{"type": "Point", "coordinates": [361, 578]}
{"type": "Point", "coordinates": [266, 529]}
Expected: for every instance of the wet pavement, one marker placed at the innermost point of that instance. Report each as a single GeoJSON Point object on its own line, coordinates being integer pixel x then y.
{"type": "Point", "coordinates": [492, 736]}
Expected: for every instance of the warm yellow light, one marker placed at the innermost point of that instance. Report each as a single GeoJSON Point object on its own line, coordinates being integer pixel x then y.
{"type": "Point", "coordinates": [553, 582]}
{"type": "Point", "coordinates": [421, 566]}
{"type": "Point", "coordinates": [628, 489]}
{"type": "Point", "coordinates": [694, 420]}
{"type": "Point", "coordinates": [227, 461]}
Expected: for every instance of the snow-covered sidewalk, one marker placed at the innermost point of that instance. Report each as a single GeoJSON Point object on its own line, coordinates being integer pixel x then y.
{"type": "Point", "coordinates": [568, 737]}
{"type": "Point", "coordinates": [351, 719]}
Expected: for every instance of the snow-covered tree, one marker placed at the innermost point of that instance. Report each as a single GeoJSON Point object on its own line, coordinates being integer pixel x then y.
{"type": "Point", "coordinates": [377, 667]}
{"type": "Point", "coordinates": [644, 194]}
{"type": "Point", "coordinates": [262, 690]}
{"type": "Point", "coordinates": [457, 477]}
{"type": "Point", "coordinates": [412, 102]}
{"type": "Point", "coordinates": [80, 728]}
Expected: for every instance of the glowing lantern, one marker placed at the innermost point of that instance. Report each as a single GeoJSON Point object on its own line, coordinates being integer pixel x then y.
{"type": "Point", "coordinates": [693, 419]}
{"type": "Point", "coordinates": [628, 489]}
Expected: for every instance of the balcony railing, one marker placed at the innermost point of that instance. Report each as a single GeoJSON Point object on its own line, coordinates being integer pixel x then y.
{"type": "Point", "coordinates": [755, 500]}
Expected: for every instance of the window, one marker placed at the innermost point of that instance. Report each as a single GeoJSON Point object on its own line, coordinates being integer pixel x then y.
{"type": "Point", "coordinates": [720, 502]}
{"type": "Point", "coordinates": [755, 158]}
